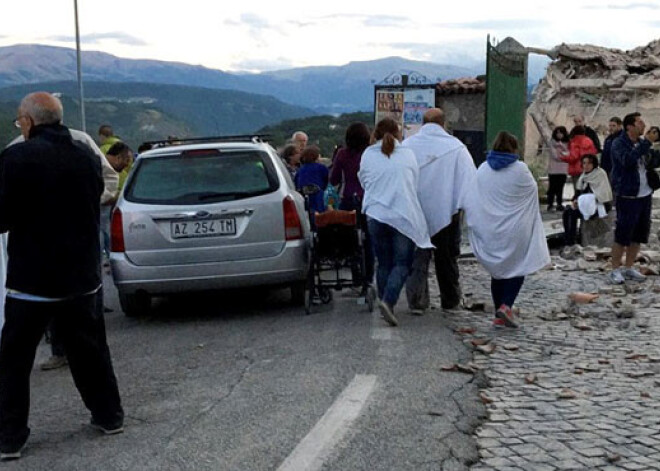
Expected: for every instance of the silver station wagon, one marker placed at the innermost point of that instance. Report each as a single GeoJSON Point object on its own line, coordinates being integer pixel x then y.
{"type": "Point", "coordinates": [206, 216]}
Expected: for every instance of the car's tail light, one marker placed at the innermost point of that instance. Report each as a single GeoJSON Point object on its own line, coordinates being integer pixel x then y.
{"type": "Point", "coordinates": [292, 226]}
{"type": "Point", "coordinates": [117, 232]}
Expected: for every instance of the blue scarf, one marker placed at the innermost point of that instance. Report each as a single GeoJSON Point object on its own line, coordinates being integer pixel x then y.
{"type": "Point", "coordinates": [500, 160]}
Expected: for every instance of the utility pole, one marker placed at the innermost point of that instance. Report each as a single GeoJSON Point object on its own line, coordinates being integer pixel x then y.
{"type": "Point", "coordinates": [80, 83]}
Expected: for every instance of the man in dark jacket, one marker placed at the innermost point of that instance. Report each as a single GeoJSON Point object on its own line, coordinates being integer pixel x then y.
{"type": "Point", "coordinates": [50, 187]}
{"type": "Point", "coordinates": [615, 128]}
{"type": "Point", "coordinates": [633, 195]}
{"type": "Point", "coordinates": [578, 120]}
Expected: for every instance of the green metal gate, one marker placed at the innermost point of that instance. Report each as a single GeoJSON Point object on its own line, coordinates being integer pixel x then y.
{"type": "Point", "coordinates": [506, 90]}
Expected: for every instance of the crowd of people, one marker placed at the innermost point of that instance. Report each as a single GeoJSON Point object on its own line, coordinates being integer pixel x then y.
{"type": "Point", "coordinates": [623, 179]}
{"type": "Point", "coordinates": [413, 194]}
{"type": "Point", "coordinates": [413, 197]}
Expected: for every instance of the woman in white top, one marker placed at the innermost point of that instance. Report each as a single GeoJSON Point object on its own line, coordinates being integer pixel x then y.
{"type": "Point", "coordinates": [506, 231]}
{"type": "Point", "coordinates": [389, 175]}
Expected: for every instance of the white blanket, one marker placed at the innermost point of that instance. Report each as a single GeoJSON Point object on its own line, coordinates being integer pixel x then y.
{"type": "Point", "coordinates": [445, 168]}
{"type": "Point", "coordinates": [390, 191]}
{"type": "Point", "coordinates": [504, 221]}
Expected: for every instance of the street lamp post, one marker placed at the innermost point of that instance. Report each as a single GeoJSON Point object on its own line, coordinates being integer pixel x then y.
{"type": "Point", "coordinates": [80, 83]}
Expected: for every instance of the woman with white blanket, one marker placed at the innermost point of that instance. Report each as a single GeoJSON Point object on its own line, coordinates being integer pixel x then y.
{"type": "Point", "coordinates": [593, 197]}
{"type": "Point", "coordinates": [389, 175]}
{"type": "Point", "coordinates": [505, 228]}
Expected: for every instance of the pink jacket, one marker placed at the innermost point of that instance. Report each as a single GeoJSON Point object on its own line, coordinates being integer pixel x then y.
{"type": "Point", "coordinates": [558, 149]}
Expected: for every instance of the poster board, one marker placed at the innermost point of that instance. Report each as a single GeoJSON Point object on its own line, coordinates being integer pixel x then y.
{"type": "Point", "coordinates": [417, 101]}
{"type": "Point", "coordinates": [389, 104]}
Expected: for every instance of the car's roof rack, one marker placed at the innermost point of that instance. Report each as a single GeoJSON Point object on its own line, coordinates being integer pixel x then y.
{"type": "Point", "coordinates": [198, 140]}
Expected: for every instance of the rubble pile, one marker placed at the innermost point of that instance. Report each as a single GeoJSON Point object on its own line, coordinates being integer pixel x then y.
{"type": "Point", "coordinates": [598, 83]}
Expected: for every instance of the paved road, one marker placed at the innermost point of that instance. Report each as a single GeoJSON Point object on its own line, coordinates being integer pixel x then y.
{"type": "Point", "coordinates": [241, 381]}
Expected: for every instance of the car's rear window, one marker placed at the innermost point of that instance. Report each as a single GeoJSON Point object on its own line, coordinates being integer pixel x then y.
{"type": "Point", "coordinates": [201, 179]}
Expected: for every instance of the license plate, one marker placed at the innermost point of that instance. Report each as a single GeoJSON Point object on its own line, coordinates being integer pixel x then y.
{"type": "Point", "coordinates": [206, 228]}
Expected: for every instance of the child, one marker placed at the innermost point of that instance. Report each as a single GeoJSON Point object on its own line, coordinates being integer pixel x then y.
{"type": "Point", "coordinates": [312, 173]}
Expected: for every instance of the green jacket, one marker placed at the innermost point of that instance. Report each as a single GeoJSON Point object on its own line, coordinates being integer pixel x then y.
{"type": "Point", "coordinates": [109, 142]}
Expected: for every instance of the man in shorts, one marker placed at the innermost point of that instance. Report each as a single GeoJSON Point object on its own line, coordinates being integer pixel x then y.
{"type": "Point", "coordinates": [630, 152]}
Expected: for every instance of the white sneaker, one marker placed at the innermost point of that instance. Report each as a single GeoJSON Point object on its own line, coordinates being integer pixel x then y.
{"type": "Point", "coordinates": [632, 274]}
{"type": "Point", "coordinates": [616, 277]}
{"type": "Point", "coordinates": [387, 314]}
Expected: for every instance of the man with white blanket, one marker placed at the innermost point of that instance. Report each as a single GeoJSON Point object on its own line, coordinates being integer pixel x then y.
{"type": "Point", "coordinates": [445, 168]}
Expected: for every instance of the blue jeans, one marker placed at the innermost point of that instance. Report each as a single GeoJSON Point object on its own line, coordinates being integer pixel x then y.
{"type": "Point", "coordinates": [395, 253]}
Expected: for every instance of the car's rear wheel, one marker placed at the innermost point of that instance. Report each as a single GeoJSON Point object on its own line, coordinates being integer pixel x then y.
{"type": "Point", "coordinates": [134, 305]}
{"type": "Point", "coordinates": [298, 293]}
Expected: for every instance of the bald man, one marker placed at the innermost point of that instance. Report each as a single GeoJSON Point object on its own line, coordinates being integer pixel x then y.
{"type": "Point", "coordinates": [445, 169]}
{"type": "Point", "coordinates": [578, 120]}
{"type": "Point", "coordinates": [50, 187]}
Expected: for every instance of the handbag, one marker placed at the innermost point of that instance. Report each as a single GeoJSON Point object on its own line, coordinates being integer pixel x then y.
{"type": "Point", "coordinates": [653, 178]}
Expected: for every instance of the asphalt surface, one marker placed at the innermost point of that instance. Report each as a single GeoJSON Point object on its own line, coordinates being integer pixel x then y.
{"type": "Point", "coordinates": [237, 380]}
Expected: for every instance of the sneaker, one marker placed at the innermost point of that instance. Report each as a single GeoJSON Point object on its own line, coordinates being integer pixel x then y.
{"type": "Point", "coordinates": [560, 207]}
{"type": "Point", "coordinates": [498, 323]}
{"type": "Point", "coordinates": [506, 314]}
{"type": "Point", "coordinates": [107, 429]}
{"type": "Point", "coordinates": [387, 314]}
{"type": "Point", "coordinates": [54, 362]}
{"type": "Point", "coordinates": [616, 277]}
{"type": "Point", "coordinates": [632, 274]}
{"type": "Point", "coordinates": [11, 455]}
{"type": "Point", "coordinates": [417, 311]}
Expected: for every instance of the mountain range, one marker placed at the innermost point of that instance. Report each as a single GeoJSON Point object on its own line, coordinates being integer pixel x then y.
{"type": "Point", "coordinates": [325, 89]}
{"type": "Point", "coordinates": [150, 99]}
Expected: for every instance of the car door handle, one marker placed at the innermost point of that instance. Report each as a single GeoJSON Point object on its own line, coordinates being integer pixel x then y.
{"type": "Point", "coordinates": [191, 215]}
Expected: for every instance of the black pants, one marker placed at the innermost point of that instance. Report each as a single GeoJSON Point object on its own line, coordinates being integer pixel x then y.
{"type": "Point", "coordinates": [56, 346]}
{"type": "Point", "coordinates": [447, 249]}
{"type": "Point", "coordinates": [505, 291]}
{"type": "Point", "coordinates": [82, 330]}
{"type": "Point", "coordinates": [571, 219]}
{"type": "Point", "coordinates": [556, 182]}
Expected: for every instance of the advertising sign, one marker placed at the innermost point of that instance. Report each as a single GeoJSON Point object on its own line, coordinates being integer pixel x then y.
{"type": "Point", "coordinates": [389, 104]}
{"type": "Point", "coordinates": [416, 103]}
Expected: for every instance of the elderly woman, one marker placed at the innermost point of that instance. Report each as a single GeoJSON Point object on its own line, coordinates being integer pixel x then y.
{"type": "Point", "coordinates": [389, 175]}
{"type": "Point", "coordinates": [593, 197]}
{"type": "Point", "coordinates": [291, 157]}
{"type": "Point", "coordinates": [505, 228]}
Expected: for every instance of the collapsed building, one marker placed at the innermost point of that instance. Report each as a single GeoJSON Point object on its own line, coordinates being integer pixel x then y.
{"type": "Point", "coordinates": [596, 82]}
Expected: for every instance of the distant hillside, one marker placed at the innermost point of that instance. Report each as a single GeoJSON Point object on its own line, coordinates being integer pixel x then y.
{"type": "Point", "coordinates": [329, 89]}
{"type": "Point", "coordinates": [140, 111]}
{"type": "Point", "coordinates": [7, 129]}
{"type": "Point", "coordinates": [324, 131]}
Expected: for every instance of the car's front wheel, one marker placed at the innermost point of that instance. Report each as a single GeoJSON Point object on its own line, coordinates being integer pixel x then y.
{"type": "Point", "coordinates": [135, 304]}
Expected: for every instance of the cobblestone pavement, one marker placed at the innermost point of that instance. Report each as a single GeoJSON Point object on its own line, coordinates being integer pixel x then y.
{"type": "Point", "coordinates": [576, 387]}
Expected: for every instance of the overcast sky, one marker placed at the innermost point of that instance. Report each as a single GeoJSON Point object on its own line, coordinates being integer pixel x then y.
{"type": "Point", "coordinates": [268, 35]}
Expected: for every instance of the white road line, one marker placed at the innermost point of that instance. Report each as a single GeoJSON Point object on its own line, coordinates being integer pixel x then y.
{"type": "Point", "coordinates": [314, 449]}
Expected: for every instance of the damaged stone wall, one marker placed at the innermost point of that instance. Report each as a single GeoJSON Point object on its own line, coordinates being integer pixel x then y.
{"type": "Point", "coordinates": [596, 82]}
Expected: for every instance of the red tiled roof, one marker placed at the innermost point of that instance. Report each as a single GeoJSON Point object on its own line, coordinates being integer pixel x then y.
{"type": "Point", "coordinates": [461, 85]}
